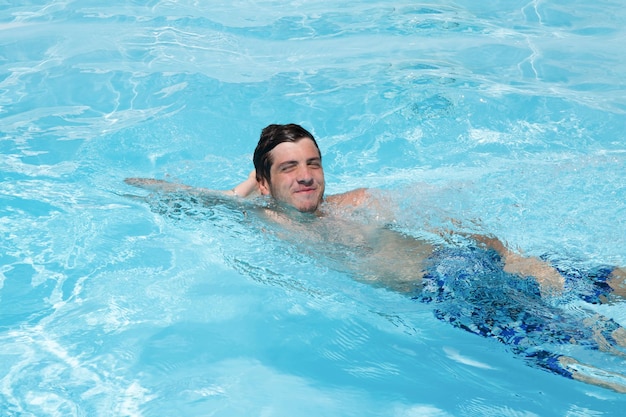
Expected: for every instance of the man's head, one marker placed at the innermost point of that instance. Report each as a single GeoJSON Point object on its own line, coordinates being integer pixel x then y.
{"type": "Point", "coordinates": [288, 166]}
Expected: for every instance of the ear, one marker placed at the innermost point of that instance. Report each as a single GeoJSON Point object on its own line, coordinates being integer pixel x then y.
{"type": "Point", "coordinates": [264, 187]}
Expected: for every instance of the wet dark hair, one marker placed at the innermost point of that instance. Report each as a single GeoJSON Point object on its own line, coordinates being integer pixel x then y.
{"type": "Point", "coordinates": [272, 136]}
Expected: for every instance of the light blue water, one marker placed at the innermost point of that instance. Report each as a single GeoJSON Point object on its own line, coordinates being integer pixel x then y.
{"type": "Point", "coordinates": [510, 112]}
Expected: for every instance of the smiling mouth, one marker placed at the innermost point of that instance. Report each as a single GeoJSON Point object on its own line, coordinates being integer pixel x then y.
{"type": "Point", "coordinates": [305, 190]}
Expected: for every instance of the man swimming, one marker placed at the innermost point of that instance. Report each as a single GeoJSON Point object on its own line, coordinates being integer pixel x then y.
{"type": "Point", "coordinates": [482, 286]}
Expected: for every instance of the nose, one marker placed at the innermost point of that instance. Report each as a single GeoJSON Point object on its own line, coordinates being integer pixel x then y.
{"type": "Point", "coordinates": [304, 176]}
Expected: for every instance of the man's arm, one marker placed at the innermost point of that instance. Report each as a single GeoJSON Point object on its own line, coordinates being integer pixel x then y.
{"type": "Point", "coordinates": [163, 186]}
{"type": "Point", "coordinates": [247, 188]}
{"type": "Point", "coordinates": [549, 279]}
{"type": "Point", "coordinates": [514, 263]}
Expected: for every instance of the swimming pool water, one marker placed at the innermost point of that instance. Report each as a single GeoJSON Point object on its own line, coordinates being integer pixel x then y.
{"type": "Point", "coordinates": [509, 116]}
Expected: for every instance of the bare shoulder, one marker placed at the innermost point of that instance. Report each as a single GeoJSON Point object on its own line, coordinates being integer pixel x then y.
{"type": "Point", "coordinates": [354, 198]}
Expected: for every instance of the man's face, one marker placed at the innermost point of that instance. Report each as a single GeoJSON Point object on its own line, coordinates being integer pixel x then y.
{"type": "Point", "coordinates": [297, 177]}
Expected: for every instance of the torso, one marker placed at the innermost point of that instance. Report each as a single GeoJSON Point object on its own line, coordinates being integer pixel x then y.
{"type": "Point", "coordinates": [356, 240]}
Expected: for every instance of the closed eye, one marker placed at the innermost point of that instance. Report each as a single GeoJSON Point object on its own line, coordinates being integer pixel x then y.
{"type": "Point", "coordinates": [287, 166]}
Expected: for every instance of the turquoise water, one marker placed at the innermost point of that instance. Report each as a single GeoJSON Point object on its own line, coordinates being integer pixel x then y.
{"type": "Point", "coordinates": [509, 116]}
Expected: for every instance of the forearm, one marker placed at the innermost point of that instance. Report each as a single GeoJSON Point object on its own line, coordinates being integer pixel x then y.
{"type": "Point", "coordinates": [515, 263]}
{"type": "Point", "coordinates": [492, 243]}
{"type": "Point", "coordinates": [152, 184]}
{"type": "Point", "coordinates": [248, 188]}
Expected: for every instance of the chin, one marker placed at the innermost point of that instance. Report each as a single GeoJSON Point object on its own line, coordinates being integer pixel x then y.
{"type": "Point", "coordinates": [306, 208]}
{"type": "Point", "coordinates": [305, 203]}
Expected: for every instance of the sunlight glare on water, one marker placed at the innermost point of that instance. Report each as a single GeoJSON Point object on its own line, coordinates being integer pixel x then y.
{"type": "Point", "coordinates": [507, 116]}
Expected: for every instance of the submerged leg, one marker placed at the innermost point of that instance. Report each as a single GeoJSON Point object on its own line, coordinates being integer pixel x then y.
{"type": "Point", "coordinates": [471, 291]}
{"type": "Point", "coordinates": [571, 368]}
{"type": "Point", "coordinates": [592, 375]}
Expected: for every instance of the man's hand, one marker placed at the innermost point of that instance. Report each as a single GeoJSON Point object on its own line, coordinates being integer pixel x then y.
{"type": "Point", "coordinates": [549, 279]}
